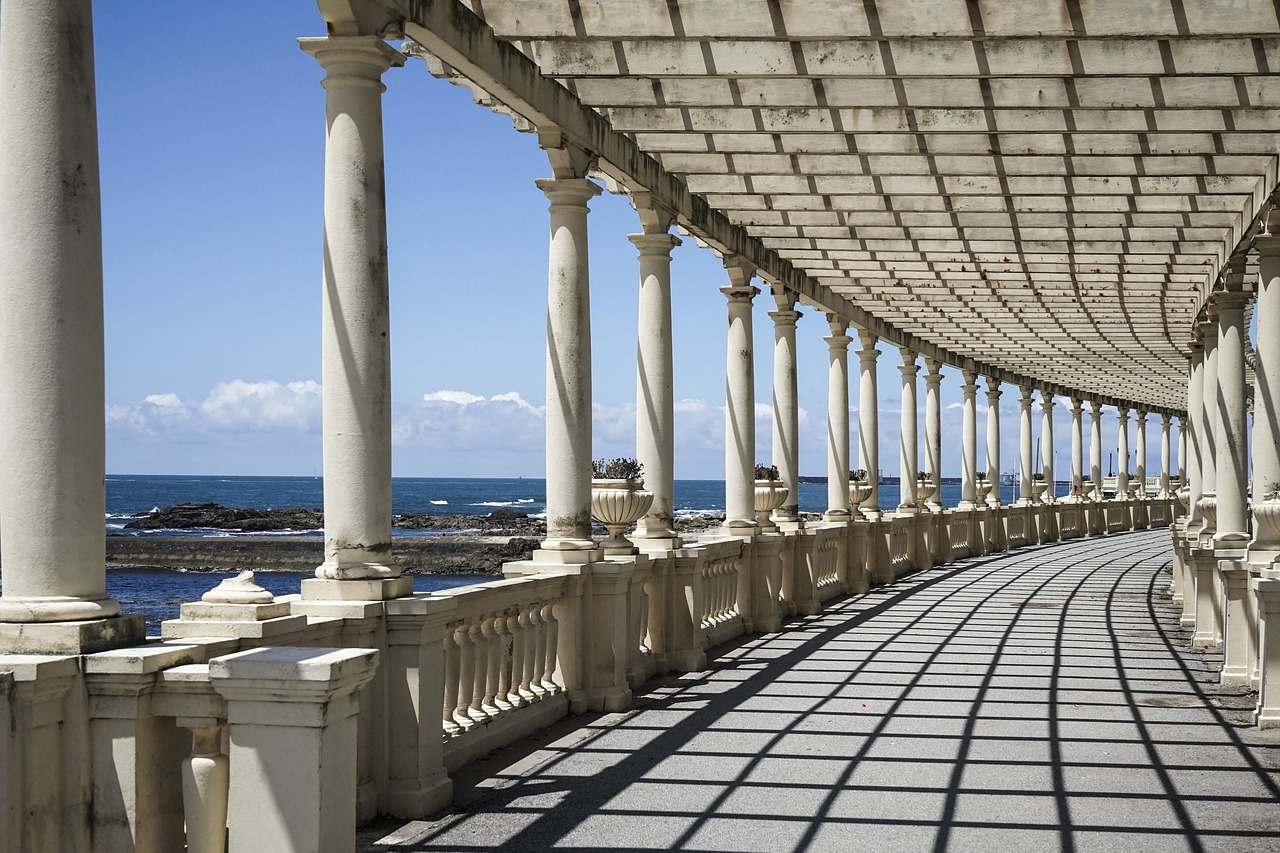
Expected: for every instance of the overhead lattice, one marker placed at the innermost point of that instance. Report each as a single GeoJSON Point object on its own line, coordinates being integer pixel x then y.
{"type": "Point", "coordinates": [1050, 188]}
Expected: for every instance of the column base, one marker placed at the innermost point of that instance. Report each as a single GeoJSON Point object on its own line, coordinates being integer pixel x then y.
{"type": "Point", "coordinates": [649, 544]}
{"type": "Point", "coordinates": [355, 571]}
{"type": "Point", "coordinates": [553, 556]}
{"type": "Point", "coordinates": [72, 638]}
{"type": "Point", "coordinates": [422, 800]}
{"type": "Point", "coordinates": [363, 589]}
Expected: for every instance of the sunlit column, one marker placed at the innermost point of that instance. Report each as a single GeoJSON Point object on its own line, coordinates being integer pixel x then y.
{"type": "Point", "coordinates": [52, 438]}
{"type": "Point", "coordinates": [993, 440]}
{"type": "Point", "coordinates": [1195, 456]}
{"type": "Point", "coordinates": [1182, 450]}
{"type": "Point", "coordinates": [740, 401]}
{"type": "Point", "coordinates": [838, 419]}
{"type": "Point", "coordinates": [1166, 459]}
{"type": "Point", "coordinates": [969, 442]}
{"type": "Point", "coordinates": [1024, 445]}
{"type": "Point", "coordinates": [1077, 447]}
{"type": "Point", "coordinates": [1122, 451]}
{"type": "Point", "coordinates": [1095, 447]}
{"type": "Point", "coordinates": [1232, 448]}
{"type": "Point", "coordinates": [933, 427]}
{"type": "Point", "coordinates": [786, 408]}
{"type": "Point", "coordinates": [1046, 443]}
{"type": "Point", "coordinates": [1266, 367]}
{"type": "Point", "coordinates": [1140, 451]}
{"type": "Point", "coordinates": [869, 420]}
{"type": "Point", "coordinates": [1210, 443]}
{"type": "Point", "coordinates": [909, 451]}
{"type": "Point", "coordinates": [655, 406]}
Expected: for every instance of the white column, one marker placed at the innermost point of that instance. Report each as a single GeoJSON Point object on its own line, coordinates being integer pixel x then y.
{"type": "Point", "coordinates": [908, 445]}
{"type": "Point", "coordinates": [838, 420]}
{"type": "Point", "coordinates": [933, 427]}
{"type": "Point", "coordinates": [1077, 446]}
{"type": "Point", "coordinates": [1140, 451]}
{"type": "Point", "coordinates": [1166, 459]}
{"type": "Point", "coordinates": [993, 439]}
{"type": "Point", "coordinates": [1122, 451]}
{"type": "Point", "coordinates": [1182, 450]}
{"type": "Point", "coordinates": [869, 420]}
{"type": "Point", "coordinates": [786, 406]}
{"type": "Point", "coordinates": [355, 345]}
{"type": "Point", "coordinates": [1232, 442]}
{"type": "Point", "coordinates": [1046, 443]}
{"type": "Point", "coordinates": [1195, 456]}
{"type": "Point", "coordinates": [655, 405]}
{"type": "Point", "coordinates": [1266, 370]}
{"type": "Point", "coordinates": [1095, 447]}
{"type": "Point", "coordinates": [1024, 445]}
{"type": "Point", "coordinates": [740, 402]}
{"type": "Point", "coordinates": [52, 444]}
{"type": "Point", "coordinates": [1209, 466]}
{"type": "Point", "coordinates": [969, 442]}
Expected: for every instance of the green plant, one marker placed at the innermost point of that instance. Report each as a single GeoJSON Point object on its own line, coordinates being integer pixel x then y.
{"type": "Point", "coordinates": [767, 472]}
{"type": "Point", "coordinates": [1038, 477]}
{"type": "Point", "coordinates": [858, 476]}
{"type": "Point", "coordinates": [1273, 487]}
{"type": "Point", "coordinates": [981, 475]}
{"type": "Point", "coordinates": [922, 476]}
{"type": "Point", "coordinates": [621, 468]}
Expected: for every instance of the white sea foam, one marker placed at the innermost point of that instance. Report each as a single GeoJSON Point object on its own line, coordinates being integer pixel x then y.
{"type": "Point", "coordinates": [495, 503]}
{"type": "Point", "coordinates": [438, 503]}
{"type": "Point", "coordinates": [525, 501]}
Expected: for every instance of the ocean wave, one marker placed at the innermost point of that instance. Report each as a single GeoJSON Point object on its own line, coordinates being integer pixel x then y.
{"type": "Point", "coordinates": [438, 503]}
{"type": "Point", "coordinates": [525, 501]}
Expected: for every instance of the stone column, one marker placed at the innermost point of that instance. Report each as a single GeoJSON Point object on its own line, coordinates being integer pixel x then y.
{"type": "Point", "coordinates": [1140, 452]}
{"type": "Point", "coordinates": [1165, 458]}
{"type": "Point", "coordinates": [933, 428]}
{"type": "Point", "coordinates": [568, 372]}
{"type": "Point", "coordinates": [838, 420]}
{"type": "Point", "coordinates": [908, 446]}
{"type": "Point", "coordinates": [355, 347]}
{"type": "Point", "coordinates": [969, 442]}
{"type": "Point", "coordinates": [740, 402]}
{"type": "Point", "coordinates": [786, 406]}
{"type": "Point", "coordinates": [1266, 370]}
{"type": "Point", "coordinates": [1095, 447]}
{"type": "Point", "coordinates": [1077, 447]}
{"type": "Point", "coordinates": [1182, 451]}
{"type": "Point", "coordinates": [1024, 445]}
{"type": "Point", "coordinates": [1195, 432]}
{"type": "Point", "coordinates": [1209, 445]}
{"type": "Point", "coordinates": [993, 439]}
{"type": "Point", "coordinates": [869, 420]}
{"type": "Point", "coordinates": [655, 402]}
{"type": "Point", "coordinates": [1046, 443]}
{"type": "Point", "coordinates": [1232, 449]}
{"type": "Point", "coordinates": [1122, 451]}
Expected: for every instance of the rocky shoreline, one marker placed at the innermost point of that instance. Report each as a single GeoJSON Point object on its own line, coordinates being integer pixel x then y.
{"type": "Point", "coordinates": [464, 544]}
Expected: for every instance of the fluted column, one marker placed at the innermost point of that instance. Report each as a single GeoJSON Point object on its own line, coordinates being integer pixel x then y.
{"type": "Point", "coordinates": [1166, 459]}
{"type": "Point", "coordinates": [908, 445]}
{"type": "Point", "coordinates": [786, 407]}
{"type": "Point", "coordinates": [1077, 447]}
{"type": "Point", "coordinates": [740, 402]}
{"type": "Point", "coordinates": [1095, 447]}
{"type": "Point", "coordinates": [1122, 451]}
{"type": "Point", "coordinates": [1046, 443]}
{"type": "Point", "coordinates": [933, 428]}
{"type": "Point", "coordinates": [869, 420]}
{"type": "Point", "coordinates": [1024, 445]}
{"type": "Point", "coordinates": [838, 420]}
{"type": "Point", "coordinates": [1232, 442]}
{"type": "Point", "coordinates": [355, 341]}
{"type": "Point", "coordinates": [993, 440]}
{"type": "Point", "coordinates": [655, 404]}
{"type": "Point", "coordinates": [969, 442]}
{"type": "Point", "coordinates": [52, 439]}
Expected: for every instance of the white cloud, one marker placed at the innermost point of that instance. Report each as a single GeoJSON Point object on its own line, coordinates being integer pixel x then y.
{"type": "Point", "coordinates": [234, 406]}
{"type": "Point", "coordinates": [462, 398]}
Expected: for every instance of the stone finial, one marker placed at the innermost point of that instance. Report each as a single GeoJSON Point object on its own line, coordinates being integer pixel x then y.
{"type": "Point", "coordinates": [238, 590]}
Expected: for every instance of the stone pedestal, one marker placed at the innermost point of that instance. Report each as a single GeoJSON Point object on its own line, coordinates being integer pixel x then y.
{"type": "Point", "coordinates": [1267, 714]}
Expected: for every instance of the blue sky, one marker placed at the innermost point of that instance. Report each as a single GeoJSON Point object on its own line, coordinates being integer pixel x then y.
{"type": "Point", "coordinates": [212, 147]}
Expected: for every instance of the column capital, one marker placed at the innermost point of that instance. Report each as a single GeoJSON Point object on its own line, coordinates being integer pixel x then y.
{"type": "Point", "coordinates": [740, 271]}
{"type": "Point", "coordinates": [836, 323]}
{"type": "Point", "coordinates": [785, 318]}
{"type": "Point", "coordinates": [970, 376]}
{"type": "Point", "coordinates": [353, 60]}
{"type": "Point", "coordinates": [655, 244]}
{"type": "Point", "coordinates": [1046, 401]}
{"type": "Point", "coordinates": [1095, 409]}
{"type": "Point", "coordinates": [655, 218]}
{"type": "Point", "coordinates": [1141, 417]}
{"type": "Point", "coordinates": [735, 293]}
{"type": "Point", "coordinates": [993, 388]}
{"type": "Point", "coordinates": [784, 298]}
{"type": "Point", "coordinates": [1165, 420]}
{"type": "Point", "coordinates": [933, 371]}
{"type": "Point", "coordinates": [869, 340]}
{"type": "Point", "coordinates": [1267, 244]}
{"type": "Point", "coordinates": [1231, 300]}
{"type": "Point", "coordinates": [1122, 414]}
{"type": "Point", "coordinates": [1076, 405]}
{"type": "Point", "coordinates": [568, 192]}
{"type": "Point", "coordinates": [838, 342]}
{"type": "Point", "coordinates": [1025, 399]}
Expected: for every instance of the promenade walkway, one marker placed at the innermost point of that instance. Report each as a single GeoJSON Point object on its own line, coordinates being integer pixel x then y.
{"type": "Point", "coordinates": [1042, 700]}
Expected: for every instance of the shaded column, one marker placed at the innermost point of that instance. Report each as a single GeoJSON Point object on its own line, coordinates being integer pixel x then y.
{"type": "Point", "coordinates": [1195, 430]}
{"type": "Point", "coordinates": [1122, 451]}
{"type": "Point", "coordinates": [1095, 447]}
{"type": "Point", "coordinates": [908, 446]}
{"type": "Point", "coordinates": [1266, 367]}
{"type": "Point", "coordinates": [1024, 445]}
{"type": "Point", "coordinates": [993, 440]}
{"type": "Point", "coordinates": [969, 442]}
{"type": "Point", "coordinates": [655, 402]}
{"type": "Point", "coordinates": [1165, 454]}
{"type": "Point", "coordinates": [1140, 452]}
{"type": "Point", "coordinates": [869, 420]}
{"type": "Point", "coordinates": [1232, 450]}
{"type": "Point", "coordinates": [52, 438]}
{"type": "Point", "coordinates": [1046, 443]}
{"type": "Point", "coordinates": [1209, 436]}
{"type": "Point", "coordinates": [1182, 449]}
{"type": "Point", "coordinates": [933, 427]}
{"type": "Point", "coordinates": [355, 325]}
{"type": "Point", "coordinates": [1077, 447]}
{"type": "Point", "coordinates": [838, 420]}
{"type": "Point", "coordinates": [786, 407]}
{"type": "Point", "coordinates": [740, 401]}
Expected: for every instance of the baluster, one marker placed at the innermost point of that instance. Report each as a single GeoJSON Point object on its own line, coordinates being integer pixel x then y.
{"type": "Point", "coordinates": [552, 633]}
{"type": "Point", "coordinates": [528, 639]}
{"type": "Point", "coordinates": [502, 697]}
{"type": "Point", "coordinates": [646, 642]}
{"type": "Point", "coordinates": [538, 657]}
{"type": "Point", "coordinates": [466, 677]}
{"type": "Point", "coordinates": [205, 787]}
{"type": "Point", "coordinates": [493, 663]}
{"type": "Point", "coordinates": [479, 674]}
{"type": "Point", "coordinates": [517, 628]}
{"type": "Point", "coordinates": [452, 675]}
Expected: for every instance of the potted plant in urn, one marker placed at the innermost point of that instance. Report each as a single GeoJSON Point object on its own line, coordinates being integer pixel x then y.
{"type": "Point", "coordinates": [618, 499]}
{"type": "Point", "coordinates": [925, 487]}
{"type": "Point", "coordinates": [859, 488]}
{"type": "Point", "coordinates": [1038, 485]}
{"type": "Point", "coordinates": [770, 494]}
{"type": "Point", "coordinates": [982, 486]}
{"type": "Point", "coordinates": [1133, 485]}
{"type": "Point", "coordinates": [1266, 514]}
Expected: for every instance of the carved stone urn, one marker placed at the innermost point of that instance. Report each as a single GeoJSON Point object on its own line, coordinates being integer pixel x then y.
{"type": "Point", "coordinates": [616, 504]}
{"type": "Point", "coordinates": [859, 492]}
{"type": "Point", "coordinates": [925, 490]}
{"type": "Point", "coordinates": [770, 494]}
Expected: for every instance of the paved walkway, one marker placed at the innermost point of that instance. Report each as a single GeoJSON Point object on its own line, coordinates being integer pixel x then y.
{"type": "Point", "coordinates": [1042, 700]}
